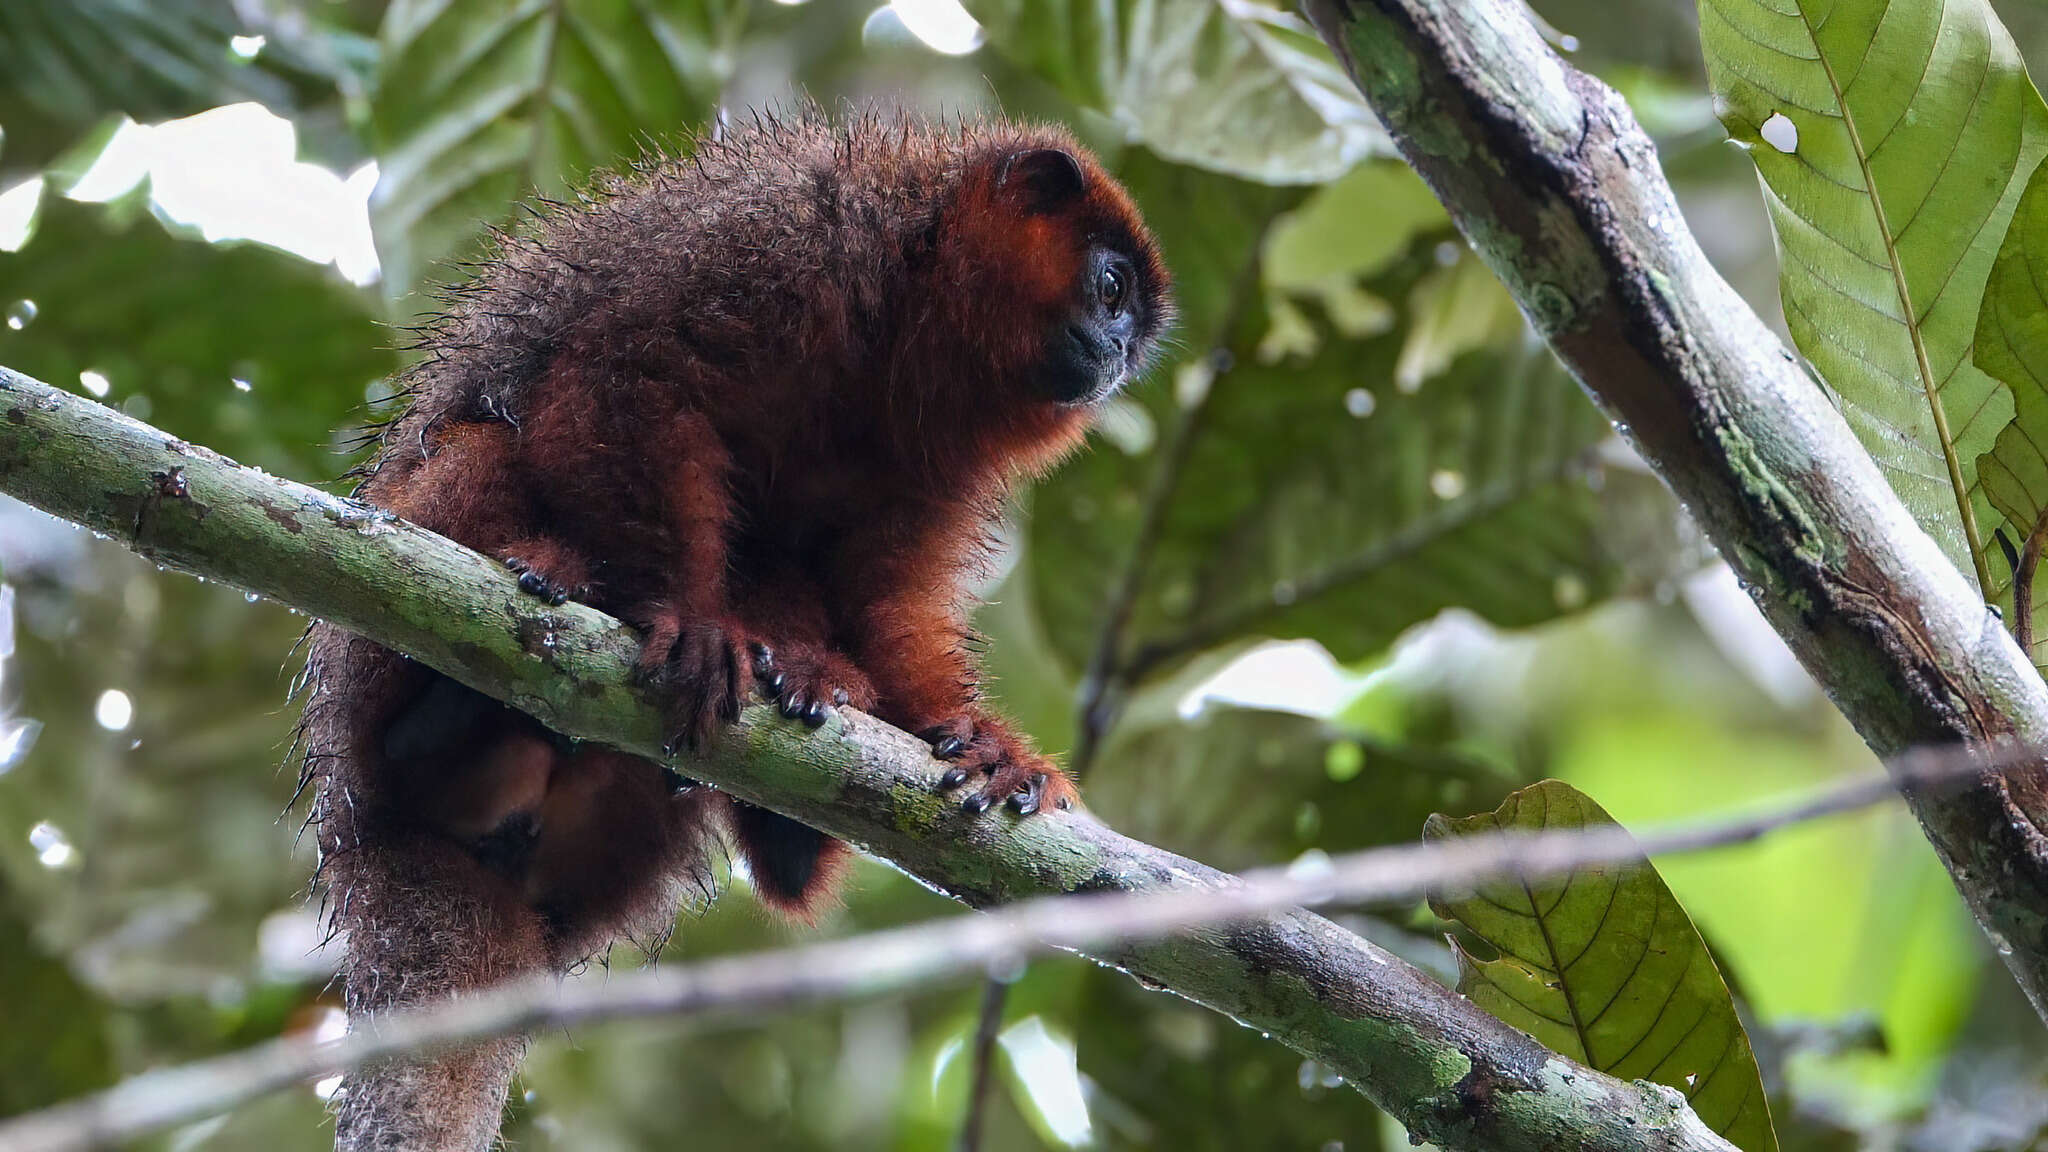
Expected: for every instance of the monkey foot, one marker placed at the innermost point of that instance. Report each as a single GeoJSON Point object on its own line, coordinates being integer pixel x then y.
{"type": "Point", "coordinates": [804, 682]}
{"type": "Point", "coordinates": [697, 667]}
{"type": "Point", "coordinates": [1004, 770]}
{"type": "Point", "coordinates": [536, 583]}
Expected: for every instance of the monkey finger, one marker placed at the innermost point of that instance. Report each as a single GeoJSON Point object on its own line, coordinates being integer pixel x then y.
{"type": "Point", "coordinates": [1025, 800]}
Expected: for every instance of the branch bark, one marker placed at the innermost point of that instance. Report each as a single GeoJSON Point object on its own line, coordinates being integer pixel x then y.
{"type": "Point", "coordinates": [1559, 190]}
{"type": "Point", "coordinates": [1454, 1075]}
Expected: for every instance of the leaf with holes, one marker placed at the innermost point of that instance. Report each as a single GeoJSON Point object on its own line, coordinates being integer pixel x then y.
{"type": "Point", "coordinates": [1604, 966]}
{"type": "Point", "coordinates": [2012, 345]}
{"type": "Point", "coordinates": [1893, 139]}
{"type": "Point", "coordinates": [480, 103]}
{"type": "Point", "coordinates": [1228, 85]}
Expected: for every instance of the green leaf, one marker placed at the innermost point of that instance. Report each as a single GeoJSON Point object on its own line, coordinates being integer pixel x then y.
{"type": "Point", "coordinates": [1247, 786]}
{"type": "Point", "coordinates": [67, 65]}
{"type": "Point", "coordinates": [1228, 85]}
{"type": "Point", "coordinates": [1305, 493]}
{"type": "Point", "coordinates": [1604, 966]}
{"type": "Point", "coordinates": [66, 1053]}
{"type": "Point", "coordinates": [1892, 139]}
{"type": "Point", "coordinates": [1165, 1074]}
{"type": "Point", "coordinates": [481, 103]}
{"type": "Point", "coordinates": [172, 322]}
{"type": "Point", "coordinates": [2012, 345]}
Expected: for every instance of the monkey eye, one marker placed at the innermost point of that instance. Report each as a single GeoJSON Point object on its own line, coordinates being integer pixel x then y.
{"type": "Point", "coordinates": [1111, 286]}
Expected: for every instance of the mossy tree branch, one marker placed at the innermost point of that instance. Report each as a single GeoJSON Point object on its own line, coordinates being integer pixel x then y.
{"type": "Point", "coordinates": [1453, 1074]}
{"type": "Point", "coordinates": [1559, 190]}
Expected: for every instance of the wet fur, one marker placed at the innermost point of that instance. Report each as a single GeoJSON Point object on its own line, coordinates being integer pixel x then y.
{"type": "Point", "coordinates": [770, 396]}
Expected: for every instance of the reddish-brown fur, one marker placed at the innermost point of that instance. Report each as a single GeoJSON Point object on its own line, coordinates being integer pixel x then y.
{"type": "Point", "coordinates": [774, 395]}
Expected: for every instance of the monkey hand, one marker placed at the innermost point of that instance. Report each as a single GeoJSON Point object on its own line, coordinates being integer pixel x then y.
{"type": "Point", "coordinates": [695, 666]}
{"type": "Point", "coordinates": [804, 680]}
{"type": "Point", "coordinates": [986, 753]}
{"type": "Point", "coordinates": [548, 569]}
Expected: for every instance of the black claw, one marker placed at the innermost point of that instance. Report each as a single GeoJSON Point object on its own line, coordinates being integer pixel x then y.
{"type": "Point", "coordinates": [793, 704]}
{"type": "Point", "coordinates": [953, 778]}
{"type": "Point", "coordinates": [1064, 803]}
{"type": "Point", "coordinates": [775, 682]}
{"type": "Point", "coordinates": [764, 659]}
{"type": "Point", "coordinates": [815, 714]}
{"type": "Point", "coordinates": [840, 697]}
{"type": "Point", "coordinates": [976, 804]}
{"type": "Point", "coordinates": [1025, 799]}
{"type": "Point", "coordinates": [948, 747]}
{"type": "Point", "coordinates": [677, 782]}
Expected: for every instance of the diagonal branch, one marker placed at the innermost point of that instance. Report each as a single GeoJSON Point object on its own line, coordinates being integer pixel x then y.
{"type": "Point", "coordinates": [1454, 1075]}
{"type": "Point", "coordinates": [1558, 189]}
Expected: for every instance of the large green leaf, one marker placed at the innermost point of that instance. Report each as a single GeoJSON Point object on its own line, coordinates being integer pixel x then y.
{"type": "Point", "coordinates": [65, 65]}
{"type": "Point", "coordinates": [2012, 345]}
{"type": "Point", "coordinates": [1604, 966]}
{"type": "Point", "coordinates": [1243, 787]}
{"type": "Point", "coordinates": [481, 103]}
{"type": "Point", "coordinates": [251, 351]}
{"type": "Point", "coordinates": [1311, 491]}
{"type": "Point", "coordinates": [1892, 139]}
{"type": "Point", "coordinates": [1229, 85]}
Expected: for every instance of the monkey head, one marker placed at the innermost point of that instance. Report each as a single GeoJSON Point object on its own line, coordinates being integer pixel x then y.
{"type": "Point", "coordinates": [1065, 282]}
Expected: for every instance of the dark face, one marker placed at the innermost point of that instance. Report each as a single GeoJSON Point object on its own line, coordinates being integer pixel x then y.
{"type": "Point", "coordinates": [1106, 338]}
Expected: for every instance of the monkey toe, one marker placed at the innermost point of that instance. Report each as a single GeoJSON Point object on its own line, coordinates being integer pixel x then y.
{"type": "Point", "coordinates": [533, 582]}
{"type": "Point", "coordinates": [1027, 783]}
{"type": "Point", "coordinates": [951, 740]}
{"type": "Point", "coordinates": [805, 685]}
{"type": "Point", "coordinates": [1028, 787]}
{"type": "Point", "coordinates": [697, 670]}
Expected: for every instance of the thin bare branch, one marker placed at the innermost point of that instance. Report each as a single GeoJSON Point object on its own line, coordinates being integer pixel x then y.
{"type": "Point", "coordinates": [1102, 924]}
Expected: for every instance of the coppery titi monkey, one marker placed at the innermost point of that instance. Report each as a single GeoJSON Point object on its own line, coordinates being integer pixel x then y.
{"type": "Point", "coordinates": [765, 404]}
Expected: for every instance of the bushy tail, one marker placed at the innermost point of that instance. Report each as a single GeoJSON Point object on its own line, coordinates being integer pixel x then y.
{"type": "Point", "coordinates": [795, 867]}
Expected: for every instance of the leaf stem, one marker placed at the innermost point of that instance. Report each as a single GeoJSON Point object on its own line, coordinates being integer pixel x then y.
{"type": "Point", "coordinates": [2023, 585]}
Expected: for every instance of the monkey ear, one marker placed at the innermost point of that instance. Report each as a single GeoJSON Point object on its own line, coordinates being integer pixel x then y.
{"type": "Point", "coordinates": [1047, 178]}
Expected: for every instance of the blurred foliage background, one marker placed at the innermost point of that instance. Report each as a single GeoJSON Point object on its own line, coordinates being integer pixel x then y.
{"type": "Point", "coordinates": [1358, 553]}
